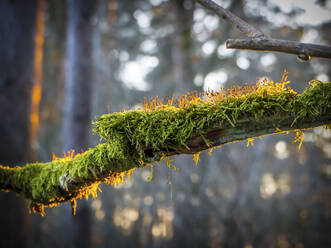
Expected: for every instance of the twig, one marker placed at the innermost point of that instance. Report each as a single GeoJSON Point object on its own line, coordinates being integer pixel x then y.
{"type": "Point", "coordinates": [304, 50]}
{"type": "Point", "coordinates": [243, 26]}
{"type": "Point", "coordinates": [262, 42]}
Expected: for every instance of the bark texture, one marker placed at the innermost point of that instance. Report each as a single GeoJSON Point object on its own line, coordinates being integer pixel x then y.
{"type": "Point", "coordinates": [304, 51]}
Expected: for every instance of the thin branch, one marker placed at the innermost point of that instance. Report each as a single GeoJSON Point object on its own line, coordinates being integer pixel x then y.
{"type": "Point", "coordinates": [304, 50]}
{"type": "Point", "coordinates": [240, 24]}
{"type": "Point", "coordinates": [262, 42]}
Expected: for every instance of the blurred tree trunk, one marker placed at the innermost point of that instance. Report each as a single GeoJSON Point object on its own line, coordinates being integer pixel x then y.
{"type": "Point", "coordinates": [182, 41]}
{"type": "Point", "coordinates": [78, 94]}
{"type": "Point", "coordinates": [17, 27]}
{"type": "Point", "coordinates": [38, 78]}
{"type": "Point", "coordinates": [183, 76]}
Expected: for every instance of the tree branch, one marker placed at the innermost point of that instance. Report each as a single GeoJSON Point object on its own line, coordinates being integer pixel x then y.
{"type": "Point", "coordinates": [304, 50]}
{"type": "Point", "coordinates": [246, 129]}
{"type": "Point", "coordinates": [262, 42]}
{"type": "Point", "coordinates": [240, 24]}
{"type": "Point", "coordinates": [138, 138]}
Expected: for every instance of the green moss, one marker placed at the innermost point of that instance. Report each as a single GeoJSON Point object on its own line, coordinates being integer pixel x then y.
{"type": "Point", "coordinates": [68, 179]}
{"type": "Point", "coordinates": [168, 127]}
{"type": "Point", "coordinates": [135, 138]}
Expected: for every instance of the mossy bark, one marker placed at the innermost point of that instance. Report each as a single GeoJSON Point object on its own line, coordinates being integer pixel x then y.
{"type": "Point", "coordinates": [138, 138]}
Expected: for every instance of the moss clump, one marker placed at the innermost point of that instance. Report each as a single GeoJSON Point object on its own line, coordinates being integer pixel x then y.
{"type": "Point", "coordinates": [164, 128]}
{"type": "Point", "coordinates": [68, 178]}
{"type": "Point", "coordinates": [168, 126]}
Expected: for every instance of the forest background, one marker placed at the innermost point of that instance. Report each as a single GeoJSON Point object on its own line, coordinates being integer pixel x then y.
{"type": "Point", "coordinates": [269, 195]}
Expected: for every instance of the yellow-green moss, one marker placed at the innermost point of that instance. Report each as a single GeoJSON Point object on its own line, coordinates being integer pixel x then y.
{"type": "Point", "coordinates": [159, 129]}
{"type": "Point", "coordinates": [166, 127]}
{"type": "Point", "coordinates": [66, 179]}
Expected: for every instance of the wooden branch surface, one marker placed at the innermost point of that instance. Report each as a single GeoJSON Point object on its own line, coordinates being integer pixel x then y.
{"type": "Point", "coordinates": [262, 42]}
{"type": "Point", "coordinates": [245, 129]}
{"type": "Point", "coordinates": [303, 50]}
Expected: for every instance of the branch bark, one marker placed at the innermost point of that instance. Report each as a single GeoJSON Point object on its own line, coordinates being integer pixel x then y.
{"type": "Point", "coordinates": [245, 129]}
{"type": "Point", "coordinates": [304, 51]}
{"type": "Point", "coordinates": [240, 24]}
{"type": "Point", "coordinates": [257, 40]}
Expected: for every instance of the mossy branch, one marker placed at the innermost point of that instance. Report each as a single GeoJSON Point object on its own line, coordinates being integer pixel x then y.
{"type": "Point", "coordinates": [186, 125]}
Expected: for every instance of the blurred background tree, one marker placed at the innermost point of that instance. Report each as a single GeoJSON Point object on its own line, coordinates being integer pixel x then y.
{"type": "Point", "coordinates": [77, 117]}
{"type": "Point", "coordinates": [16, 80]}
{"type": "Point", "coordinates": [269, 195]}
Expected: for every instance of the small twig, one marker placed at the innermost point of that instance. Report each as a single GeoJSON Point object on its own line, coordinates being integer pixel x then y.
{"type": "Point", "coordinates": [304, 50]}
{"type": "Point", "coordinates": [262, 42]}
{"type": "Point", "coordinates": [240, 24]}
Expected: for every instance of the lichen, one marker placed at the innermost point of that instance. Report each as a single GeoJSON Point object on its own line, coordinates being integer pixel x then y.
{"type": "Point", "coordinates": [161, 128]}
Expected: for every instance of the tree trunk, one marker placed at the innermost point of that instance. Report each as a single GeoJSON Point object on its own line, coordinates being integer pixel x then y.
{"type": "Point", "coordinates": [78, 94]}
{"type": "Point", "coordinates": [78, 79]}
{"type": "Point", "coordinates": [17, 27]}
{"type": "Point", "coordinates": [182, 70]}
{"type": "Point", "coordinates": [181, 43]}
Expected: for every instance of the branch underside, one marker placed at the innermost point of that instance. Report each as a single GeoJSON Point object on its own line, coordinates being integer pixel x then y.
{"type": "Point", "coordinates": [138, 138]}
{"type": "Point", "coordinates": [243, 130]}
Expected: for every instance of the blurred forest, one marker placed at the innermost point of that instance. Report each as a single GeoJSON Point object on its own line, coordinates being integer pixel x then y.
{"type": "Point", "coordinates": [63, 63]}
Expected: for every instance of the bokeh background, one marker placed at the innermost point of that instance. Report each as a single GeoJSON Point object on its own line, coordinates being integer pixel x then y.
{"type": "Point", "coordinates": [267, 195]}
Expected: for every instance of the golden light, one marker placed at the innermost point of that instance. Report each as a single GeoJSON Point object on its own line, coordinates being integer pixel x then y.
{"type": "Point", "coordinates": [283, 184]}
{"type": "Point", "coordinates": [38, 74]}
{"type": "Point", "coordinates": [163, 228]}
{"type": "Point", "coordinates": [96, 204]}
{"type": "Point", "coordinates": [268, 186]}
{"type": "Point", "coordinates": [100, 214]}
{"type": "Point", "coordinates": [131, 214]}
{"type": "Point", "coordinates": [125, 218]}
{"type": "Point", "coordinates": [281, 151]}
{"type": "Point", "coordinates": [159, 230]}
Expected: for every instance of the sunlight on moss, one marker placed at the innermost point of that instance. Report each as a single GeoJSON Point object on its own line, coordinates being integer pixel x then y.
{"type": "Point", "coordinates": [159, 129]}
